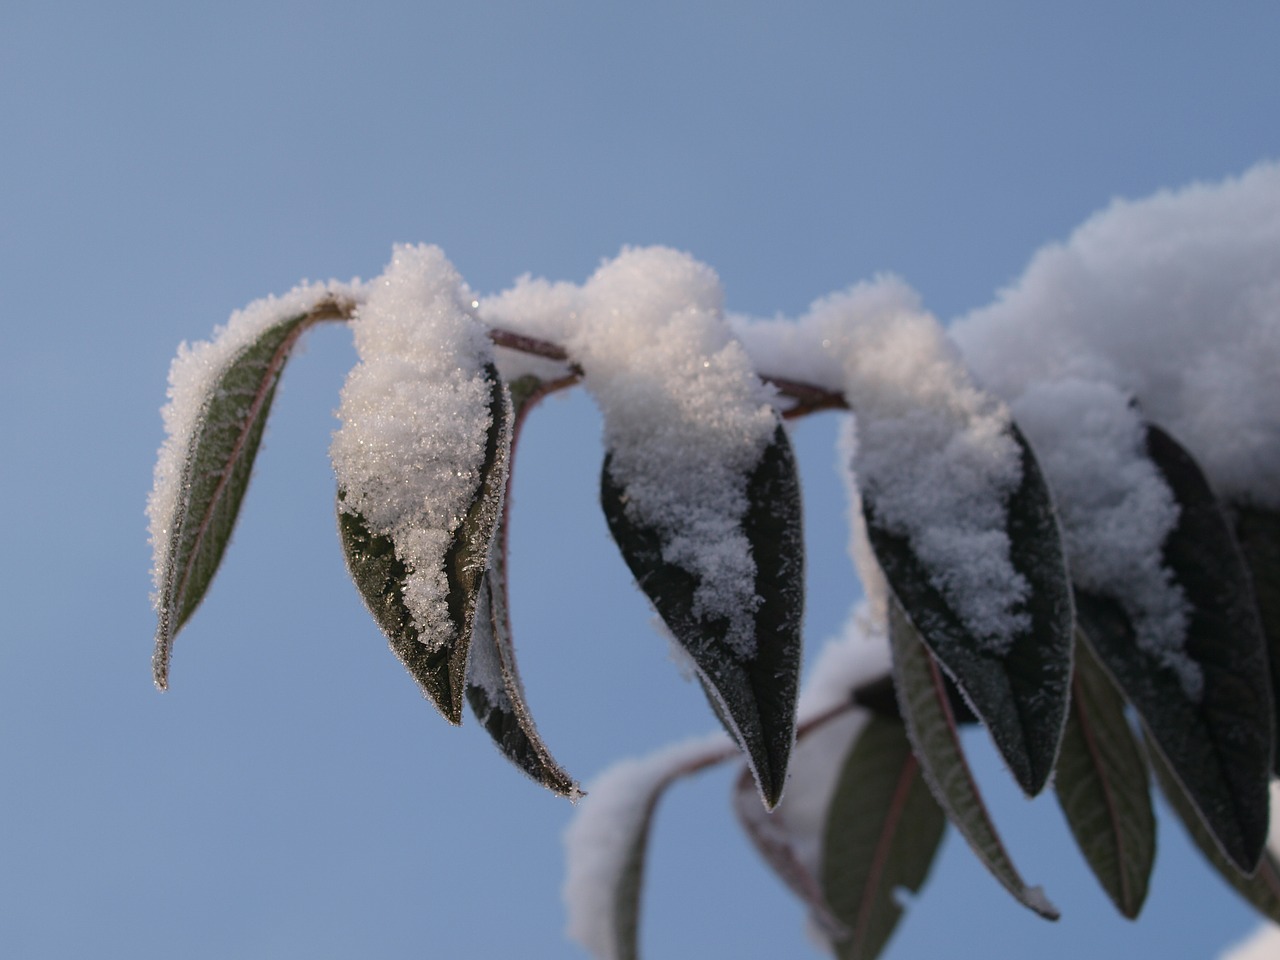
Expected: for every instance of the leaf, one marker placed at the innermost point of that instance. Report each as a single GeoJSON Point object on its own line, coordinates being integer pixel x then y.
{"type": "Point", "coordinates": [935, 739]}
{"type": "Point", "coordinates": [494, 690]}
{"type": "Point", "coordinates": [1218, 744]}
{"type": "Point", "coordinates": [1021, 696]}
{"type": "Point", "coordinates": [754, 696]}
{"type": "Point", "coordinates": [1262, 889]}
{"type": "Point", "coordinates": [380, 575]}
{"type": "Point", "coordinates": [216, 469]}
{"type": "Point", "coordinates": [1102, 786]}
{"type": "Point", "coordinates": [607, 842]}
{"type": "Point", "coordinates": [883, 828]}
{"type": "Point", "coordinates": [1258, 534]}
{"type": "Point", "coordinates": [768, 833]}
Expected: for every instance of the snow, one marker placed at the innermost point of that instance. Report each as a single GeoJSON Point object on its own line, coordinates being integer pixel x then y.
{"type": "Point", "coordinates": [934, 454]}
{"type": "Point", "coordinates": [1171, 303]}
{"type": "Point", "coordinates": [1175, 301]}
{"type": "Point", "coordinates": [685, 417]}
{"type": "Point", "coordinates": [415, 420]}
{"type": "Point", "coordinates": [194, 373]}
{"type": "Point", "coordinates": [600, 841]}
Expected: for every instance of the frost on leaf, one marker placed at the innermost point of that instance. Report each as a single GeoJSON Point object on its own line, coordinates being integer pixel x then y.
{"type": "Point", "coordinates": [606, 844]}
{"type": "Point", "coordinates": [699, 488]}
{"type": "Point", "coordinates": [1218, 742]}
{"type": "Point", "coordinates": [220, 394]}
{"type": "Point", "coordinates": [494, 689]}
{"type": "Point", "coordinates": [932, 728]}
{"type": "Point", "coordinates": [1102, 786]}
{"type": "Point", "coordinates": [421, 460]}
{"type": "Point", "coordinates": [1020, 691]}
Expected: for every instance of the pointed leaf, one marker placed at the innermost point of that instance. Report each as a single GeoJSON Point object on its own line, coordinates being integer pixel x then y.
{"type": "Point", "coordinates": [607, 842]}
{"type": "Point", "coordinates": [883, 830]}
{"type": "Point", "coordinates": [1021, 695]}
{"type": "Point", "coordinates": [1258, 533]}
{"type": "Point", "coordinates": [753, 695]}
{"type": "Point", "coordinates": [494, 689]}
{"type": "Point", "coordinates": [1262, 889]}
{"type": "Point", "coordinates": [936, 741]}
{"type": "Point", "coordinates": [1218, 740]}
{"type": "Point", "coordinates": [216, 465]}
{"type": "Point", "coordinates": [373, 561]}
{"type": "Point", "coordinates": [1101, 784]}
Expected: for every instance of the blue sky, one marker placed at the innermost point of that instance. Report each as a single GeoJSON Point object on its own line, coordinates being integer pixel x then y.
{"type": "Point", "coordinates": [292, 795]}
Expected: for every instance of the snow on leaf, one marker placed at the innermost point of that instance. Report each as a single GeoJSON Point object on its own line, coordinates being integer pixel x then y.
{"type": "Point", "coordinates": [883, 829]}
{"type": "Point", "coordinates": [752, 688]}
{"type": "Point", "coordinates": [1102, 786]}
{"type": "Point", "coordinates": [935, 739]}
{"type": "Point", "coordinates": [1217, 738]}
{"type": "Point", "coordinates": [1262, 887]}
{"type": "Point", "coordinates": [220, 395]}
{"type": "Point", "coordinates": [421, 460]}
{"type": "Point", "coordinates": [1020, 691]}
{"type": "Point", "coordinates": [606, 844]}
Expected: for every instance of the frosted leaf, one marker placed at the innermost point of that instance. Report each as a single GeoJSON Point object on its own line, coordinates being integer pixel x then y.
{"type": "Point", "coordinates": [686, 418]}
{"type": "Point", "coordinates": [193, 374]}
{"type": "Point", "coordinates": [605, 843]}
{"type": "Point", "coordinates": [933, 453]}
{"type": "Point", "coordinates": [416, 418]}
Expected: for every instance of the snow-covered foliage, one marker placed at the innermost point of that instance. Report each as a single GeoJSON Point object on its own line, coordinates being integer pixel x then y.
{"type": "Point", "coordinates": [1136, 359]}
{"type": "Point", "coordinates": [415, 419]}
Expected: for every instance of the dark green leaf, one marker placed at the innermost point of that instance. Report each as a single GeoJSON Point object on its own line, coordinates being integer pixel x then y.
{"type": "Point", "coordinates": [1219, 743]}
{"type": "Point", "coordinates": [1262, 889]}
{"type": "Point", "coordinates": [494, 689]}
{"type": "Point", "coordinates": [216, 469]}
{"type": "Point", "coordinates": [936, 741]}
{"type": "Point", "coordinates": [1101, 783]}
{"type": "Point", "coordinates": [1258, 533]}
{"type": "Point", "coordinates": [882, 831]}
{"type": "Point", "coordinates": [439, 666]}
{"type": "Point", "coordinates": [1021, 696]}
{"type": "Point", "coordinates": [754, 696]}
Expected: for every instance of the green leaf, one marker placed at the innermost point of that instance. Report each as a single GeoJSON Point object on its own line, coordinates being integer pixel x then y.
{"type": "Point", "coordinates": [1219, 743]}
{"type": "Point", "coordinates": [494, 689]}
{"type": "Point", "coordinates": [769, 834]}
{"type": "Point", "coordinates": [1258, 533]}
{"type": "Point", "coordinates": [1021, 696]}
{"type": "Point", "coordinates": [936, 741]}
{"type": "Point", "coordinates": [1262, 889]}
{"type": "Point", "coordinates": [754, 696]}
{"type": "Point", "coordinates": [607, 843]}
{"type": "Point", "coordinates": [1101, 783]}
{"type": "Point", "coordinates": [380, 575]}
{"type": "Point", "coordinates": [882, 831]}
{"type": "Point", "coordinates": [216, 470]}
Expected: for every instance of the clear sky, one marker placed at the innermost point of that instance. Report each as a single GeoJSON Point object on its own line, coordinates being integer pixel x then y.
{"type": "Point", "coordinates": [292, 795]}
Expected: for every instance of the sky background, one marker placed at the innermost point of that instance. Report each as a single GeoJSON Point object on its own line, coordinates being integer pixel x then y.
{"type": "Point", "coordinates": [292, 795]}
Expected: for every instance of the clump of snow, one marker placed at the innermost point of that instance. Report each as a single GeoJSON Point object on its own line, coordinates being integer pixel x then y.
{"type": "Point", "coordinates": [1171, 303]}
{"type": "Point", "coordinates": [194, 373]}
{"type": "Point", "coordinates": [686, 418]}
{"type": "Point", "coordinates": [415, 421]}
{"type": "Point", "coordinates": [533, 307]}
{"type": "Point", "coordinates": [1175, 301]}
{"type": "Point", "coordinates": [1114, 507]}
{"type": "Point", "coordinates": [935, 457]}
{"type": "Point", "coordinates": [601, 840]}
